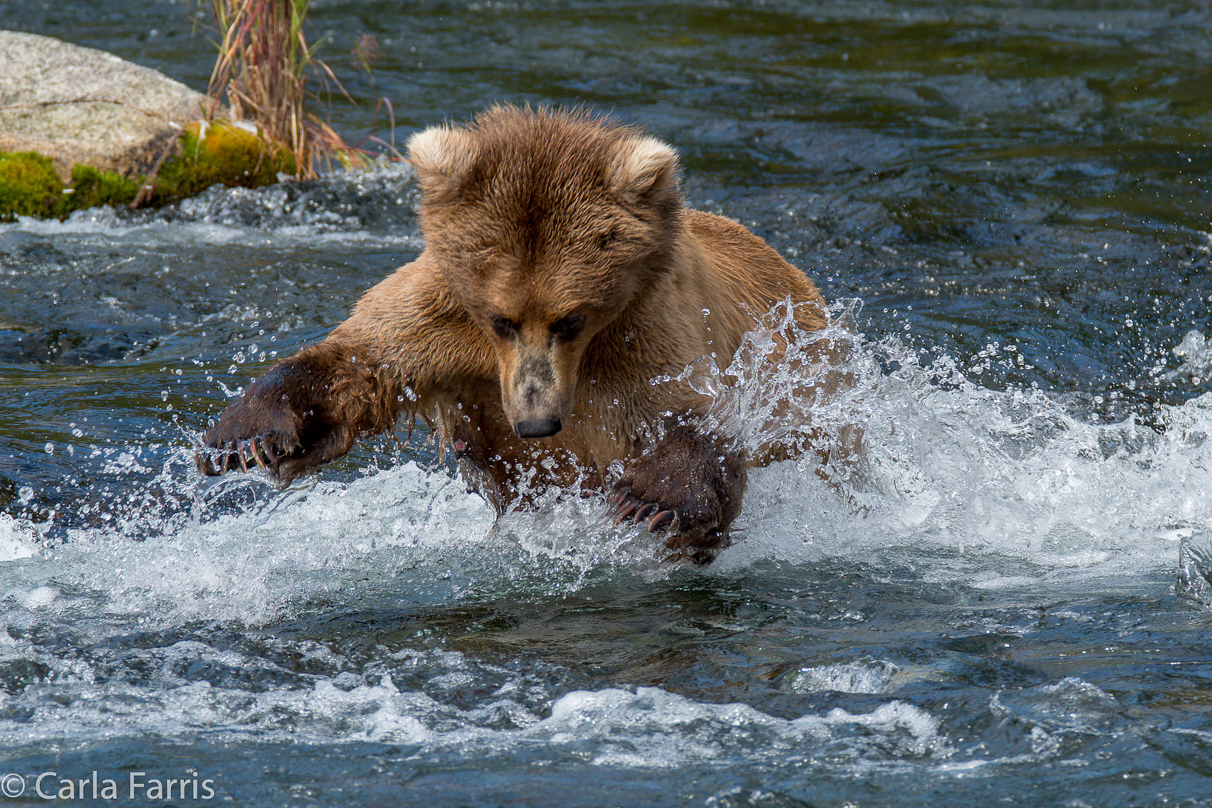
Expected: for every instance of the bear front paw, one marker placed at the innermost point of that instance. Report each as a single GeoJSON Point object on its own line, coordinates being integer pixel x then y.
{"type": "Point", "coordinates": [279, 424]}
{"type": "Point", "coordinates": [689, 483]}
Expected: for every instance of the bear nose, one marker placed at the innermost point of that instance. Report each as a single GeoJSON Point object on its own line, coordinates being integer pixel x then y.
{"type": "Point", "coordinates": [537, 427]}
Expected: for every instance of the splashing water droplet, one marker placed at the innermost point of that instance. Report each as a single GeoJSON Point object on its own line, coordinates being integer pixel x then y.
{"type": "Point", "coordinates": [1195, 568]}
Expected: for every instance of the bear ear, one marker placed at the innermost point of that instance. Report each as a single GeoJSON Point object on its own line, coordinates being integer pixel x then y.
{"type": "Point", "coordinates": [644, 167]}
{"type": "Point", "coordinates": [441, 156]}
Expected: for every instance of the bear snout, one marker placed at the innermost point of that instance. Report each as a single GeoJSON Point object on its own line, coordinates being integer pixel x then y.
{"type": "Point", "coordinates": [534, 398]}
{"type": "Point", "coordinates": [538, 427]}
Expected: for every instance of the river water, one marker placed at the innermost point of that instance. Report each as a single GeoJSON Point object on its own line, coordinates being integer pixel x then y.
{"type": "Point", "coordinates": [1009, 605]}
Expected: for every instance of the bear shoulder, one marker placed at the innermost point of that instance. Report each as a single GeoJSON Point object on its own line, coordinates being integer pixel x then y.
{"type": "Point", "coordinates": [411, 321]}
{"type": "Point", "coordinates": [747, 273]}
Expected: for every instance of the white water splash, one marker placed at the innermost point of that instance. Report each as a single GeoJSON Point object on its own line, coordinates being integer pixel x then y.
{"type": "Point", "coordinates": [998, 489]}
{"type": "Point", "coordinates": [649, 728]}
{"type": "Point", "coordinates": [16, 540]}
{"type": "Point", "coordinates": [1196, 356]}
{"type": "Point", "coordinates": [972, 473]}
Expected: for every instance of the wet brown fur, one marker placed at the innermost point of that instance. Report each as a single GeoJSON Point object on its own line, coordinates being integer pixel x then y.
{"type": "Point", "coordinates": [561, 274]}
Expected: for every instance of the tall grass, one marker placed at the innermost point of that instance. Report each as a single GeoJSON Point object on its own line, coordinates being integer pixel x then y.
{"type": "Point", "coordinates": [264, 69]}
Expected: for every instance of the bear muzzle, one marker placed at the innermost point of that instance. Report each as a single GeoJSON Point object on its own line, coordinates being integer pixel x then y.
{"type": "Point", "coordinates": [535, 400]}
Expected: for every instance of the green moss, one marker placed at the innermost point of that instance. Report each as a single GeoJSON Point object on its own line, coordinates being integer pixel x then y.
{"type": "Point", "coordinates": [224, 154]}
{"type": "Point", "coordinates": [28, 186]}
{"type": "Point", "coordinates": [93, 187]}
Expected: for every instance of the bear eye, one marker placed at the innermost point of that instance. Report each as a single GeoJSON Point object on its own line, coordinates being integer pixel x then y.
{"type": "Point", "coordinates": [566, 329]}
{"type": "Point", "coordinates": [607, 238]}
{"type": "Point", "coordinates": [503, 326]}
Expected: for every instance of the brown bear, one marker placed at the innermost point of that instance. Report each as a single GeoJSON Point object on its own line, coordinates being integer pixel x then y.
{"type": "Point", "coordinates": [561, 276]}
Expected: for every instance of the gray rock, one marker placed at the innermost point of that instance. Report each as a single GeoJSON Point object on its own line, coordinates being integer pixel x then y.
{"type": "Point", "coordinates": [80, 105]}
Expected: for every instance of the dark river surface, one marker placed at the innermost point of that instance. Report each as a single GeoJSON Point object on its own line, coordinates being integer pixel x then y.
{"type": "Point", "coordinates": [1010, 608]}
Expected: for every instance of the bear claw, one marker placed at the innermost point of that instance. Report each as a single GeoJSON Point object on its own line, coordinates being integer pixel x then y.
{"type": "Point", "coordinates": [667, 516]}
{"type": "Point", "coordinates": [625, 507]}
{"type": "Point", "coordinates": [643, 512]}
{"type": "Point", "coordinates": [256, 454]}
{"type": "Point", "coordinates": [239, 454]}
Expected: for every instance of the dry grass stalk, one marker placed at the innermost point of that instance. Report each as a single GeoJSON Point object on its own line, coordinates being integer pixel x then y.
{"type": "Point", "coordinates": [263, 68]}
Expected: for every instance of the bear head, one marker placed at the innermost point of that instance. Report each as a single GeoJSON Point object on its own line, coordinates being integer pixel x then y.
{"type": "Point", "coordinates": [547, 226]}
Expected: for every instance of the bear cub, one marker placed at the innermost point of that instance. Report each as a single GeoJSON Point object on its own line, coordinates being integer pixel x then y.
{"type": "Point", "coordinates": [561, 276]}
